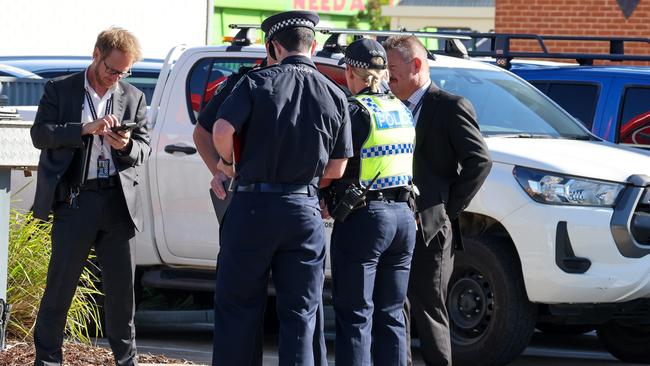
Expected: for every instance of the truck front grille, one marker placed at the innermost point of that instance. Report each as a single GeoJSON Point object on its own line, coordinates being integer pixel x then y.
{"type": "Point", "coordinates": [640, 225]}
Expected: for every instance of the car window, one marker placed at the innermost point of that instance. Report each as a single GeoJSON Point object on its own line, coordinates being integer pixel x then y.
{"type": "Point", "coordinates": [145, 81]}
{"type": "Point", "coordinates": [51, 74]}
{"type": "Point", "coordinates": [634, 124]}
{"type": "Point", "coordinates": [577, 99]}
{"type": "Point", "coordinates": [206, 76]}
{"type": "Point", "coordinates": [334, 73]}
{"type": "Point", "coordinates": [209, 73]}
{"type": "Point", "coordinates": [506, 105]}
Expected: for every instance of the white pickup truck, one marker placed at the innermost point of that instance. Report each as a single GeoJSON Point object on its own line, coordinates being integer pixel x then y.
{"type": "Point", "coordinates": [558, 237]}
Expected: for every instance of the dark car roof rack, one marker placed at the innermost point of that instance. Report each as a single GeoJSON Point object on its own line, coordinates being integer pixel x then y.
{"type": "Point", "coordinates": [336, 44]}
{"type": "Point", "coordinates": [500, 44]}
{"type": "Point", "coordinates": [453, 45]}
{"type": "Point", "coordinates": [242, 38]}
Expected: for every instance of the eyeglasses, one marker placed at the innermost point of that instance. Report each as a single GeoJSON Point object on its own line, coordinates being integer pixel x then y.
{"type": "Point", "coordinates": [112, 71]}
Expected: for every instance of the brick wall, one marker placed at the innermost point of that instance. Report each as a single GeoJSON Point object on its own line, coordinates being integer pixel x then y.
{"type": "Point", "coordinates": [575, 18]}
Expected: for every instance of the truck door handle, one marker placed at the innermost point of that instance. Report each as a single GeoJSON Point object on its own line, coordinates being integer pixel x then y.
{"type": "Point", "coordinates": [189, 150]}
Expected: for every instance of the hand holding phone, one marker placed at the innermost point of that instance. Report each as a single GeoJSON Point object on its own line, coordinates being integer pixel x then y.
{"type": "Point", "coordinates": [125, 126]}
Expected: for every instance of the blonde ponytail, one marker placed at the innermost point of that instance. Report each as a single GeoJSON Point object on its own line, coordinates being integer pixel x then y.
{"type": "Point", "coordinates": [372, 77]}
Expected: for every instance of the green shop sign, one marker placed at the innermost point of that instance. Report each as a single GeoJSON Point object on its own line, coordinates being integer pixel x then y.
{"type": "Point", "coordinates": [340, 7]}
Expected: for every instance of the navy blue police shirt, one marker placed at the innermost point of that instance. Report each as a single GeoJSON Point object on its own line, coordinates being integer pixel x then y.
{"type": "Point", "coordinates": [291, 120]}
{"type": "Point", "coordinates": [208, 115]}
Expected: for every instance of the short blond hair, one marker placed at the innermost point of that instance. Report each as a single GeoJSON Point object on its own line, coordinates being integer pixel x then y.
{"type": "Point", "coordinates": [408, 46]}
{"type": "Point", "coordinates": [116, 38]}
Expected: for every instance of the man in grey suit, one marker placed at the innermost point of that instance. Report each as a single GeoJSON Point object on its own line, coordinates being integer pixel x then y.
{"type": "Point", "coordinates": [88, 176]}
{"type": "Point", "coordinates": [450, 163]}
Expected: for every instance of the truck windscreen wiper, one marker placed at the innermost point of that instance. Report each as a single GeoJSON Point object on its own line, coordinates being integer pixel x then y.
{"type": "Point", "coordinates": [582, 138]}
{"type": "Point", "coordinates": [523, 135]}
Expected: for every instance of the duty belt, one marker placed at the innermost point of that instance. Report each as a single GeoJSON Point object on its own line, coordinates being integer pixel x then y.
{"type": "Point", "coordinates": [278, 188]}
{"type": "Point", "coordinates": [395, 194]}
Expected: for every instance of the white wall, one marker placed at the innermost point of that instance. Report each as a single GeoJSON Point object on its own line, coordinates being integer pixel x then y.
{"type": "Point", "coordinates": [417, 17]}
{"type": "Point", "coordinates": [70, 27]}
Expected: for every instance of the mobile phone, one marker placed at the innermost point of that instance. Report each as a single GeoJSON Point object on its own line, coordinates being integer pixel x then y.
{"type": "Point", "coordinates": [126, 126]}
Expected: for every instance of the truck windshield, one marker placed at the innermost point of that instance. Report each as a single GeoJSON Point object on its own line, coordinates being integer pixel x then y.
{"type": "Point", "coordinates": [508, 106]}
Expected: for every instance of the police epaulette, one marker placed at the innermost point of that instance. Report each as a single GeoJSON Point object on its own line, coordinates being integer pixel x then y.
{"type": "Point", "coordinates": [246, 69]}
{"type": "Point", "coordinates": [260, 68]}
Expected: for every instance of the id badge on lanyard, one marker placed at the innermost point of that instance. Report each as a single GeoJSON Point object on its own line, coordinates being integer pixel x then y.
{"type": "Point", "coordinates": [103, 163]}
{"type": "Point", "coordinates": [103, 167]}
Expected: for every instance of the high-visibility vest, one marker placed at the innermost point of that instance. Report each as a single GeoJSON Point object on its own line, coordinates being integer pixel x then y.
{"type": "Point", "coordinates": [388, 150]}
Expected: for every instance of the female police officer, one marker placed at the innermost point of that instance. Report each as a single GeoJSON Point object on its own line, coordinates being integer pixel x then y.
{"type": "Point", "coordinates": [372, 247]}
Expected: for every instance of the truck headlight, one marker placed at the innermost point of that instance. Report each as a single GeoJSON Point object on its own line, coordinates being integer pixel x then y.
{"type": "Point", "coordinates": [560, 189]}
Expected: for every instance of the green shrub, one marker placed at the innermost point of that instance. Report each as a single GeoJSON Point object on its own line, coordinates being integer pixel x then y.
{"type": "Point", "coordinates": [30, 247]}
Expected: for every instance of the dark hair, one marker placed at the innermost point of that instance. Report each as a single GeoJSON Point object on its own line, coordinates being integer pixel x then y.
{"type": "Point", "coordinates": [295, 39]}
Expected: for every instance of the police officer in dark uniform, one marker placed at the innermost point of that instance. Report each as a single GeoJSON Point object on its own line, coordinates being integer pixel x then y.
{"type": "Point", "coordinates": [203, 140]}
{"type": "Point", "coordinates": [295, 130]}
{"type": "Point", "coordinates": [373, 237]}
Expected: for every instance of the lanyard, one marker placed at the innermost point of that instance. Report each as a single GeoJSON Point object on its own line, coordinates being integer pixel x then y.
{"type": "Point", "coordinates": [93, 113]}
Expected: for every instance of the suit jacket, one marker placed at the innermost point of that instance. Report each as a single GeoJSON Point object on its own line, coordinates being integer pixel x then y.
{"type": "Point", "coordinates": [57, 133]}
{"type": "Point", "coordinates": [450, 161]}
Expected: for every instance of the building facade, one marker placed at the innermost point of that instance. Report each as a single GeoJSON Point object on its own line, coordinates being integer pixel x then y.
{"type": "Point", "coordinates": [477, 15]}
{"type": "Point", "coordinates": [45, 27]}
{"type": "Point", "coordinates": [333, 14]}
{"type": "Point", "coordinates": [628, 18]}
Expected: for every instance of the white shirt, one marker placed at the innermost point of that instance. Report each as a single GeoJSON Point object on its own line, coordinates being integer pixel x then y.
{"type": "Point", "coordinates": [414, 100]}
{"type": "Point", "coordinates": [86, 117]}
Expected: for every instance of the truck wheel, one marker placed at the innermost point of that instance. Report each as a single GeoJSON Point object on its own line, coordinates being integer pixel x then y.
{"type": "Point", "coordinates": [490, 316]}
{"type": "Point", "coordinates": [564, 329]}
{"type": "Point", "coordinates": [628, 343]}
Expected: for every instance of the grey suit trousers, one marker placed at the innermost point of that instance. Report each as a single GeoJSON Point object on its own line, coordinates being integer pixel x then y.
{"type": "Point", "coordinates": [102, 220]}
{"type": "Point", "coordinates": [431, 270]}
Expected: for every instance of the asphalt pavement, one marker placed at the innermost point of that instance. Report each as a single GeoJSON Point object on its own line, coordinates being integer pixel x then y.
{"type": "Point", "coordinates": [194, 343]}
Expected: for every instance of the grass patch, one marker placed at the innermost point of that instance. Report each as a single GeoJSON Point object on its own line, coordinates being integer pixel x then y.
{"type": "Point", "coordinates": [30, 247]}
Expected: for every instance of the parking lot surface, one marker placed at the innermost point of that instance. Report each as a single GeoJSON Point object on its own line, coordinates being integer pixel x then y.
{"type": "Point", "coordinates": [195, 344]}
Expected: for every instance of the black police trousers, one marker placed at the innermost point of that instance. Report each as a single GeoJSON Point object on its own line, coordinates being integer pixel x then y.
{"type": "Point", "coordinates": [265, 232]}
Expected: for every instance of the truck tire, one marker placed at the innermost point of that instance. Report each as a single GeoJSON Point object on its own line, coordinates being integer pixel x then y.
{"type": "Point", "coordinates": [490, 317]}
{"type": "Point", "coordinates": [564, 329]}
{"type": "Point", "coordinates": [628, 343]}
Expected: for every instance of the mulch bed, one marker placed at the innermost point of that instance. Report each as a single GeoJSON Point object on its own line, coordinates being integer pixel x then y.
{"type": "Point", "coordinates": [75, 354]}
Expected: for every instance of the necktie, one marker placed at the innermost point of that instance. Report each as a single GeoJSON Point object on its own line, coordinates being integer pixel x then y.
{"type": "Point", "coordinates": [408, 104]}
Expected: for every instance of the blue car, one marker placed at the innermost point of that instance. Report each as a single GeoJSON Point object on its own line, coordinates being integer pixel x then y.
{"type": "Point", "coordinates": [52, 66]}
{"type": "Point", "coordinates": [612, 101]}
{"type": "Point", "coordinates": [16, 72]}
{"type": "Point", "coordinates": [144, 73]}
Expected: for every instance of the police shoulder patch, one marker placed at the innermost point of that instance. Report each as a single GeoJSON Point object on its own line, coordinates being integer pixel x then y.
{"type": "Point", "coordinates": [240, 78]}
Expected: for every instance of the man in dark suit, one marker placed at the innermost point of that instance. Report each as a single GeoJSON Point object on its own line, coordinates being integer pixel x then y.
{"type": "Point", "coordinates": [88, 176]}
{"type": "Point", "coordinates": [450, 163]}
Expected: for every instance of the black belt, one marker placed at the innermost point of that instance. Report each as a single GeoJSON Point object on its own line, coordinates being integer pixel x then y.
{"type": "Point", "coordinates": [392, 194]}
{"type": "Point", "coordinates": [101, 183]}
{"type": "Point", "coordinates": [278, 188]}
